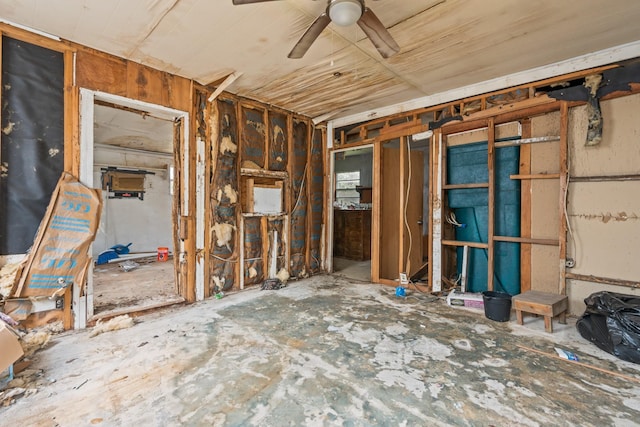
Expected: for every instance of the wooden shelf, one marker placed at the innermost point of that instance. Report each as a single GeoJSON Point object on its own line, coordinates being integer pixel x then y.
{"type": "Point", "coordinates": [536, 176]}
{"type": "Point", "coordinates": [463, 186]}
{"type": "Point", "coordinates": [548, 242]}
{"type": "Point", "coordinates": [478, 245]}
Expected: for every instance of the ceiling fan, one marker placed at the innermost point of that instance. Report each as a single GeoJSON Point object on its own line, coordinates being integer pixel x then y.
{"type": "Point", "coordinates": [343, 13]}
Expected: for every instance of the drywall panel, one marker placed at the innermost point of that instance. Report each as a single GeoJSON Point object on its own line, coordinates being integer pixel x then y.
{"type": "Point", "coordinates": [579, 290]}
{"type": "Point", "coordinates": [619, 151]}
{"type": "Point", "coordinates": [605, 216]}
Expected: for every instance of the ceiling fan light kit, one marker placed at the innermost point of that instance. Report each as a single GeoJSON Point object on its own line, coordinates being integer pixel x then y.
{"type": "Point", "coordinates": [343, 13]}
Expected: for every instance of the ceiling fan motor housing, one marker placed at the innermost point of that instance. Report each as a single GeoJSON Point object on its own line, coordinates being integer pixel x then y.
{"type": "Point", "coordinates": [345, 12]}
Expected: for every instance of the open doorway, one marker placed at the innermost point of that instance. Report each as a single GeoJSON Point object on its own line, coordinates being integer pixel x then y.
{"type": "Point", "coordinates": [404, 208]}
{"type": "Point", "coordinates": [135, 152]}
{"type": "Point", "coordinates": [352, 207]}
{"type": "Point", "coordinates": [133, 165]}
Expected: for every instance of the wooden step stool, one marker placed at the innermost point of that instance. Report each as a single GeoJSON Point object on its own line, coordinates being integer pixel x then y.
{"type": "Point", "coordinates": [542, 303]}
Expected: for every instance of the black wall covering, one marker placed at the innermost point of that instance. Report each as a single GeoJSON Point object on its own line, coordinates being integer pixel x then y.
{"type": "Point", "coordinates": [32, 143]}
{"type": "Point", "coordinates": [223, 208]}
{"type": "Point", "coordinates": [316, 186]}
{"type": "Point", "coordinates": [253, 265]}
{"type": "Point", "coordinates": [298, 200]}
{"type": "Point", "coordinates": [278, 138]}
{"type": "Point", "coordinates": [253, 137]}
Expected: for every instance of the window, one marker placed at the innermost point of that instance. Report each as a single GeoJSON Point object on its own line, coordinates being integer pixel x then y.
{"type": "Point", "coordinates": [346, 183]}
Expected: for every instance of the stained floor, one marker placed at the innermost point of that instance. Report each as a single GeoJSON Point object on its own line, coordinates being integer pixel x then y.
{"type": "Point", "coordinates": [117, 290]}
{"type": "Point", "coordinates": [326, 352]}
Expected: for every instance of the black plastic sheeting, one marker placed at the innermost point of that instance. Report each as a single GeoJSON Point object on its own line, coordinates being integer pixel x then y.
{"type": "Point", "coordinates": [32, 144]}
{"type": "Point", "coordinates": [612, 322]}
{"type": "Point", "coordinates": [298, 200]}
{"type": "Point", "coordinates": [224, 211]}
{"type": "Point", "coordinates": [277, 226]}
{"type": "Point", "coordinates": [253, 136]}
{"type": "Point", "coordinates": [316, 194]}
{"type": "Point", "coordinates": [254, 264]}
{"type": "Point", "coordinates": [278, 139]}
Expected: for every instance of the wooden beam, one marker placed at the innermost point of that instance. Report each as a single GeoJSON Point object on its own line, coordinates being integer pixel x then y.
{"type": "Point", "coordinates": [605, 178]}
{"type": "Point", "coordinates": [401, 200]}
{"type": "Point", "coordinates": [527, 240]}
{"type": "Point", "coordinates": [225, 84]}
{"type": "Point", "coordinates": [562, 234]}
{"type": "Point", "coordinates": [525, 209]}
{"type": "Point", "coordinates": [478, 245]}
{"type": "Point", "coordinates": [535, 176]}
{"type": "Point", "coordinates": [376, 213]}
{"type": "Point", "coordinates": [603, 280]}
{"type": "Point", "coordinates": [461, 186]}
{"type": "Point", "coordinates": [492, 200]}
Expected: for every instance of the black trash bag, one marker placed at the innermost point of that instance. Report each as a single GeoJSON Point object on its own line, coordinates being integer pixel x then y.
{"type": "Point", "coordinates": [612, 322]}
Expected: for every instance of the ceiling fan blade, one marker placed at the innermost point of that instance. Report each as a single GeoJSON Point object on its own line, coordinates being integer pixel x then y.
{"type": "Point", "coordinates": [237, 2]}
{"type": "Point", "coordinates": [310, 36]}
{"type": "Point", "coordinates": [378, 34]}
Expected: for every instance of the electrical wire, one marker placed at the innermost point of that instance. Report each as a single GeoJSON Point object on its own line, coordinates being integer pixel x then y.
{"type": "Point", "coordinates": [406, 203]}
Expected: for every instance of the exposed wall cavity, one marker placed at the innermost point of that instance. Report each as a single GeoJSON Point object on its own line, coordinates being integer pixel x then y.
{"type": "Point", "coordinates": [298, 200]}
{"type": "Point", "coordinates": [253, 261]}
{"type": "Point", "coordinates": [316, 195]}
{"type": "Point", "coordinates": [224, 196]}
{"type": "Point", "coordinates": [278, 140]}
{"type": "Point", "coordinates": [253, 138]}
{"type": "Point", "coordinates": [277, 248]}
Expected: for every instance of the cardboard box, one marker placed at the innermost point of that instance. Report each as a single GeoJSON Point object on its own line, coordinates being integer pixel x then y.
{"type": "Point", "coordinates": [10, 348]}
{"type": "Point", "coordinates": [465, 299]}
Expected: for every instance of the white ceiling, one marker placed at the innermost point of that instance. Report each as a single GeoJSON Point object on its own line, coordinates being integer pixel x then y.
{"type": "Point", "coordinates": [445, 44]}
{"type": "Point", "coordinates": [134, 130]}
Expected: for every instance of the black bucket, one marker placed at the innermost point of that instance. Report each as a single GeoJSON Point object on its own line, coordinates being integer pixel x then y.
{"type": "Point", "coordinates": [497, 306]}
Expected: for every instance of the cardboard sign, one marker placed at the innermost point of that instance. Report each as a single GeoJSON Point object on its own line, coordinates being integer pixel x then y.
{"type": "Point", "coordinates": [60, 252]}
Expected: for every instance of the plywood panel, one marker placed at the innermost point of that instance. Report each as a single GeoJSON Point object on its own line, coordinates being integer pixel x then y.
{"type": "Point", "coordinates": [390, 214]}
{"type": "Point", "coordinates": [544, 204]}
{"type": "Point", "coordinates": [97, 71]}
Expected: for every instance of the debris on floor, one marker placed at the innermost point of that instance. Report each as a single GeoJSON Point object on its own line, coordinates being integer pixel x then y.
{"type": "Point", "coordinates": [127, 266]}
{"type": "Point", "coordinates": [7, 277]}
{"type": "Point", "coordinates": [119, 322]}
{"type": "Point", "coordinates": [272, 285]}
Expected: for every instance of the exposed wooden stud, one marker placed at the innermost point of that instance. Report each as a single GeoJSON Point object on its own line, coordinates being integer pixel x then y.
{"type": "Point", "coordinates": [376, 213]}
{"type": "Point", "coordinates": [478, 245]}
{"type": "Point", "coordinates": [525, 209]}
{"type": "Point", "coordinates": [225, 84]}
{"type": "Point", "coordinates": [564, 141]}
{"type": "Point", "coordinates": [401, 201]}
{"type": "Point", "coordinates": [525, 177]}
{"type": "Point", "coordinates": [462, 186]}
{"type": "Point", "coordinates": [527, 240]}
{"type": "Point", "coordinates": [492, 200]}
{"type": "Point", "coordinates": [528, 140]}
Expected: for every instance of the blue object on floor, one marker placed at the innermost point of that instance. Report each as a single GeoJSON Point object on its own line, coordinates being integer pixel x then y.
{"type": "Point", "coordinates": [105, 256]}
{"type": "Point", "coordinates": [400, 291]}
{"type": "Point", "coordinates": [121, 249]}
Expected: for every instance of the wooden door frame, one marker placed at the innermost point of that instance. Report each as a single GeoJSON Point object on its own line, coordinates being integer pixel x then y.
{"type": "Point", "coordinates": [83, 305]}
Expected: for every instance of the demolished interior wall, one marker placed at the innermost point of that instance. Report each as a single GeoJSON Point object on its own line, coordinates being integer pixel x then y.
{"type": "Point", "coordinates": [257, 146]}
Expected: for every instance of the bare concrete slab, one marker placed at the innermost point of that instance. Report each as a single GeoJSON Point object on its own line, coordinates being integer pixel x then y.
{"type": "Point", "coordinates": [324, 351]}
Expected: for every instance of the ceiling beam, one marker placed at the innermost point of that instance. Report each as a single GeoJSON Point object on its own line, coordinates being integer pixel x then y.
{"type": "Point", "coordinates": [579, 63]}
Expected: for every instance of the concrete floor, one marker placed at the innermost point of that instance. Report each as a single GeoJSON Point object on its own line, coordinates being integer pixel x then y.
{"type": "Point", "coordinates": [350, 269]}
{"type": "Point", "coordinates": [325, 352]}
